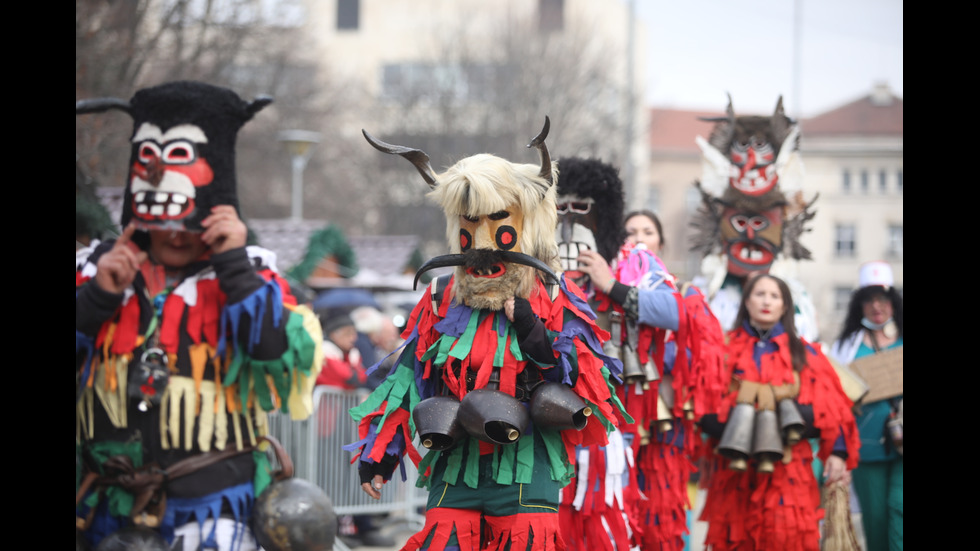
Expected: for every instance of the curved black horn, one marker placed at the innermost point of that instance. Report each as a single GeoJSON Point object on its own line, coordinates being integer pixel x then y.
{"type": "Point", "coordinates": [416, 156]}
{"type": "Point", "coordinates": [521, 258]}
{"type": "Point", "coordinates": [538, 142]}
{"type": "Point", "coordinates": [258, 104]}
{"type": "Point", "coordinates": [438, 262]}
{"type": "Point", "coordinates": [99, 105]}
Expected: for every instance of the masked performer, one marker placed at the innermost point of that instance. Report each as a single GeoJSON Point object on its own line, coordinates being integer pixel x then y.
{"type": "Point", "coordinates": [184, 337]}
{"type": "Point", "coordinates": [502, 374]}
{"type": "Point", "coordinates": [762, 492]}
{"type": "Point", "coordinates": [648, 317]}
{"type": "Point", "coordinates": [752, 213]}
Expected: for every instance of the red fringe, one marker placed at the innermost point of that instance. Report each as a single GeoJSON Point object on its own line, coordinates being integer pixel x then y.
{"type": "Point", "coordinates": [517, 531]}
{"type": "Point", "coordinates": [441, 522]}
{"type": "Point", "coordinates": [667, 470]}
{"type": "Point", "coordinates": [747, 510]}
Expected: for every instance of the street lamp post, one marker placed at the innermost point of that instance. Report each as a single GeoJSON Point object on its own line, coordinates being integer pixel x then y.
{"type": "Point", "coordinates": [299, 145]}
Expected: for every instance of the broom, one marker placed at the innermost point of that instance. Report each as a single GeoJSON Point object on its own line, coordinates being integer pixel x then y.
{"type": "Point", "coordinates": [838, 532]}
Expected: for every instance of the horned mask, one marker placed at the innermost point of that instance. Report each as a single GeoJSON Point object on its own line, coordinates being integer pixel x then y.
{"type": "Point", "coordinates": [183, 151]}
{"type": "Point", "coordinates": [751, 191]}
{"type": "Point", "coordinates": [500, 220]}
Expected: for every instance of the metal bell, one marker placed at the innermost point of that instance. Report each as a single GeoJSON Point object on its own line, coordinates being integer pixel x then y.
{"type": "Point", "coordinates": [436, 422]}
{"type": "Point", "coordinates": [493, 416]}
{"type": "Point", "coordinates": [632, 372]}
{"type": "Point", "coordinates": [791, 423]}
{"type": "Point", "coordinates": [650, 371]}
{"type": "Point", "coordinates": [665, 404]}
{"type": "Point", "coordinates": [556, 406]}
{"type": "Point", "coordinates": [736, 441]}
{"type": "Point", "coordinates": [767, 443]}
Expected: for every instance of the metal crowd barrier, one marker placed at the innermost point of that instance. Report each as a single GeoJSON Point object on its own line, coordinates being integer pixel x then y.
{"type": "Point", "coordinates": [315, 446]}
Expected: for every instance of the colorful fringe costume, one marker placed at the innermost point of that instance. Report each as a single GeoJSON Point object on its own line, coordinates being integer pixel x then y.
{"type": "Point", "coordinates": [237, 346]}
{"type": "Point", "coordinates": [452, 349]}
{"type": "Point", "coordinates": [684, 340]}
{"type": "Point", "coordinates": [749, 510]}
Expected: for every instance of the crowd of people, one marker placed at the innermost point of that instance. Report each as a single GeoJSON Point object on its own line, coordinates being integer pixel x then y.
{"type": "Point", "coordinates": [568, 391]}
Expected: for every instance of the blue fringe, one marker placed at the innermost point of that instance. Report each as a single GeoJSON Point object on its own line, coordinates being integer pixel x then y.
{"type": "Point", "coordinates": [181, 511]}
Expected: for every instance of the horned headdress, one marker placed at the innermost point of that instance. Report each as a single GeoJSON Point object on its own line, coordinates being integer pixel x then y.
{"type": "Point", "coordinates": [500, 220]}
{"type": "Point", "coordinates": [183, 151]}
{"type": "Point", "coordinates": [751, 190]}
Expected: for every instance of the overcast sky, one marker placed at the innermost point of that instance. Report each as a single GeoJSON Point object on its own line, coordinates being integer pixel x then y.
{"type": "Point", "coordinates": [697, 50]}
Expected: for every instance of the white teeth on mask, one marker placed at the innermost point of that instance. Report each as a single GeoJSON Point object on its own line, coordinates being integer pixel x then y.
{"type": "Point", "coordinates": [142, 209]}
{"type": "Point", "coordinates": [162, 197]}
{"type": "Point", "coordinates": [140, 196]}
{"type": "Point", "coordinates": [179, 199]}
{"type": "Point", "coordinates": [173, 209]}
{"type": "Point", "coordinates": [156, 210]}
{"type": "Point", "coordinates": [756, 255]}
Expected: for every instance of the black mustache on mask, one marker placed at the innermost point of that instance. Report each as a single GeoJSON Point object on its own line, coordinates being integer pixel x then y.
{"type": "Point", "coordinates": [482, 260]}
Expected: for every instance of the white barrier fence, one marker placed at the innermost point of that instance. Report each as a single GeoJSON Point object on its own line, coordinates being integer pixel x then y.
{"type": "Point", "coordinates": [316, 448]}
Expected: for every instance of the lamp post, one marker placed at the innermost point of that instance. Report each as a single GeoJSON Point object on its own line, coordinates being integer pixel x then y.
{"type": "Point", "coordinates": [299, 145]}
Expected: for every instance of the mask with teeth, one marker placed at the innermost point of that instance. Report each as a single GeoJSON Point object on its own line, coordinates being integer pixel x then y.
{"type": "Point", "coordinates": [500, 221]}
{"type": "Point", "coordinates": [747, 206]}
{"type": "Point", "coordinates": [590, 212]}
{"type": "Point", "coordinates": [183, 151]}
{"type": "Point", "coordinates": [750, 239]}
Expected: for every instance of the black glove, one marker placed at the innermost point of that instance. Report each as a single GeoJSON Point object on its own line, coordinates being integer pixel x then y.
{"type": "Point", "coordinates": [367, 471]}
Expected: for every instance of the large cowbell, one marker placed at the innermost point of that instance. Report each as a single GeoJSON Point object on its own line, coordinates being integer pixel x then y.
{"type": "Point", "coordinates": [183, 151]}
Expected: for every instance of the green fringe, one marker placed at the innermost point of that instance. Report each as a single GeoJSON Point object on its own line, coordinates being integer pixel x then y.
{"type": "Point", "coordinates": [120, 501]}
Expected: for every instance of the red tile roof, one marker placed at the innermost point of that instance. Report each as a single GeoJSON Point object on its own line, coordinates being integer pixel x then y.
{"type": "Point", "coordinates": [863, 117]}
{"type": "Point", "coordinates": [674, 130]}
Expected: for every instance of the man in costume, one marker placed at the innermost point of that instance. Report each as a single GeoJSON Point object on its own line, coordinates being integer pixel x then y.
{"type": "Point", "coordinates": [648, 317]}
{"type": "Point", "coordinates": [502, 374]}
{"type": "Point", "coordinates": [184, 337]}
{"type": "Point", "coordinates": [752, 213]}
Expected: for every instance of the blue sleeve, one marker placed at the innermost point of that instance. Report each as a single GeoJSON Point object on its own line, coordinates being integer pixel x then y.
{"type": "Point", "coordinates": [658, 308]}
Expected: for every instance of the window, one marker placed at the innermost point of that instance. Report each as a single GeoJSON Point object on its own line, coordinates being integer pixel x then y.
{"type": "Point", "coordinates": [653, 199]}
{"type": "Point", "coordinates": [882, 182]}
{"type": "Point", "coordinates": [845, 184]}
{"type": "Point", "coordinates": [899, 180]}
{"type": "Point", "coordinates": [551, 15]}
{"type": "Point", "coordinates": [348, 14]}
{"type": "Point", "coordinates": [844, 241]}
{"type": "Point", "coordinates": [864, 182]}
{"type": "Point", "coordinates": [431, 81]}
{"type": "Point", "coordinates": [895, 242]}
{"type": "Point", "coordinates": [842, 298]}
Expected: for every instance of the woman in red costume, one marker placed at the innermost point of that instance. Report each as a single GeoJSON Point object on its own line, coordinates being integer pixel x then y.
{"type": "Point", "coordinates": [763, 495]}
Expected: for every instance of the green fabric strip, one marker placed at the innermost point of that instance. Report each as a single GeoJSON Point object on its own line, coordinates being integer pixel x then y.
{"type": "Point", "coordinates": [471, 476]}
{"type": "Point", "coordinates": [504, 472]}
{"type": "Point", "coordinates": [465, 342]}
{"type": "Point", "coordinates": [453, 465]}
{"type": "Point", "coordinates": [263, 472]}
{"type": "Point", "coordinates": [120, 501]}
{"type": "Point", "coordinates": [560, 469]}
{"type": "Point", "coordinates": [525, 459]}
{"type": "Point", "coordinates": [428, 460]}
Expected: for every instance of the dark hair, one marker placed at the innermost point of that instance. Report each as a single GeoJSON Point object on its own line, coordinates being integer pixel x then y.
{"type": "Point", "coordinates": [653, 217]}
{"type": "Point", "coordinates": [797, 350]}
{"type": "Point", "coordinates": [855, 309]}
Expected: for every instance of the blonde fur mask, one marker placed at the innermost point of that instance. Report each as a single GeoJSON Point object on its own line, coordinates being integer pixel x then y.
{"type": "Point", "coordinates": [500, 222]}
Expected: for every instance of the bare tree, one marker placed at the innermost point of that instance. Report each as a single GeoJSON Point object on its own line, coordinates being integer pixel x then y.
{"type": "Point", "coordinates": [249, 46]}
{"type": "Point", "coordinates": [490, 93]}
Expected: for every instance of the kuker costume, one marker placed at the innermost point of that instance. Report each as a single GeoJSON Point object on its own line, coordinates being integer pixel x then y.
{"type": "Point", "coordinates": [174, 377]}
{"type": "Point", "coordinates": [752, 213]}
{"type": "Point", "coordinates": [500, 405]}
{"type": "Point", "coordinates": [666, 389]}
